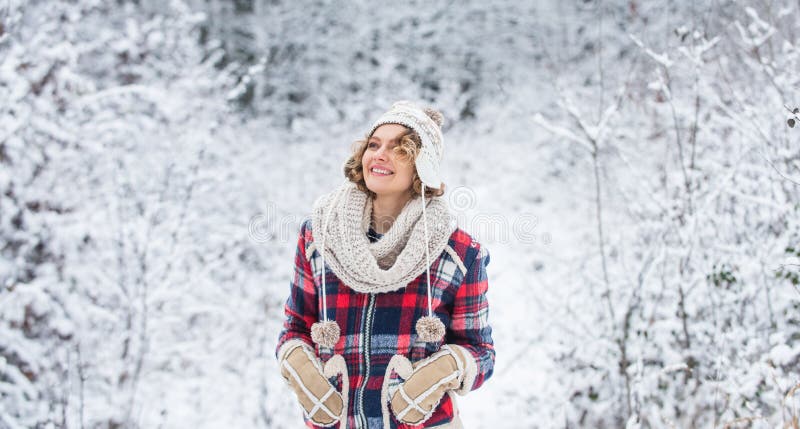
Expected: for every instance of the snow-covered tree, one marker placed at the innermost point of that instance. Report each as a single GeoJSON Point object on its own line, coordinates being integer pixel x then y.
{"type": "Point", "coordinates": [695, 322]}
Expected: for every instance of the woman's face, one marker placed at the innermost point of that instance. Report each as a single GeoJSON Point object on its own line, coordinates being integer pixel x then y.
{"type": "Point", "coordinates": [386, 173]}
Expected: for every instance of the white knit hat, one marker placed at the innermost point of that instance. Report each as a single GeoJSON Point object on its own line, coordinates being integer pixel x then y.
{"type": "Point", "coordinates": [428, 125]}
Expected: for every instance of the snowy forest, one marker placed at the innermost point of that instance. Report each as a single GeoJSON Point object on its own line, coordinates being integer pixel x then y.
{"type": "Point", "coordinates": [632, 166]}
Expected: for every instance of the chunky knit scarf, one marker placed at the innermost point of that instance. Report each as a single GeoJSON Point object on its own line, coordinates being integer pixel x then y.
{"type": "Point", "coordinates": [341, 220]}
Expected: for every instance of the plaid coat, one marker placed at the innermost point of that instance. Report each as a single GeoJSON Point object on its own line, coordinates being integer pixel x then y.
{"type": "Point", "coordinates": [376, 327]}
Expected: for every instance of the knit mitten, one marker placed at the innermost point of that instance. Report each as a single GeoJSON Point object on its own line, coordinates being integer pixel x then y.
{"type": "Point", "coordinates": [303, 372]}
{"type": "Point", "coordinates": [415, 399]}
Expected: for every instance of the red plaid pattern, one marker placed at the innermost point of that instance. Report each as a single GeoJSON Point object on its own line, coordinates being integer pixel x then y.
{"type": "Point", "coordinates": [375, 327]}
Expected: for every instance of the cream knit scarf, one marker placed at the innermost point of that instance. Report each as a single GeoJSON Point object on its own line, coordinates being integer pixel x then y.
{"type": "Point", "coordinates": [391, 262]}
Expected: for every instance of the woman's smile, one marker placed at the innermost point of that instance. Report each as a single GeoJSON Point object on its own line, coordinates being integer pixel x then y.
{"type": "Point", "coordinates": [381, 171]}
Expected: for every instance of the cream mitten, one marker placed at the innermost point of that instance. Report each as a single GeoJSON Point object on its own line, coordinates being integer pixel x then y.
{"type": "Point", "coordinates": [417, 397]}
{"type": "Point", "coordinates": [302, 370]}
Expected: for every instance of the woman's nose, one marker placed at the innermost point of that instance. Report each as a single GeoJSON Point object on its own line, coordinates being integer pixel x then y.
{"type": "Point", "coordinates": [381, 153]}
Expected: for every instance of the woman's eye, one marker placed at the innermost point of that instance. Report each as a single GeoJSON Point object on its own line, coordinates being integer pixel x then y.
{"type": "Point", "coordinates": [372, 144]}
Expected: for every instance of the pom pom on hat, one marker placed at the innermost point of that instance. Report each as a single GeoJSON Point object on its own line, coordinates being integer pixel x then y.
{"type": "Point", "coordinates": [435, 115]}
{"type": "Point", "coordinates": [326, 333]}
{"type": "Point", "coordinates": [430, 329]}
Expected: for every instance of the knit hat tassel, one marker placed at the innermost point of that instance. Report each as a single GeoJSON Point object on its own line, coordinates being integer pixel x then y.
{"type": "Point", "coordinates": [429, 328]}
{"type": "Point", "coordinates": [326, 332]}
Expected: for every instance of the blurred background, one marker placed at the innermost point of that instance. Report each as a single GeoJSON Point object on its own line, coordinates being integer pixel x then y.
{"type": "Point", "coordinates": [632, 166]}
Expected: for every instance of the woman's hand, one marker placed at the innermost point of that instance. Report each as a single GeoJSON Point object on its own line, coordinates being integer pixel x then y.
{"type": "Point", "coordinates": [302, 370]}
{"type": "Point", "coordinates": [417, 397]}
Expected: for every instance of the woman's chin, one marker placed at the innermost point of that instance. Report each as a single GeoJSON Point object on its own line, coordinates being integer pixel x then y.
{"type": "Point", "coordinates": [376, 187]}
{"type": "Point", "coordinates": [381, 190]}
{"type": "Point", "coordinates": [387, 187]}
{"type": "Point", "coordinates": [377, 190]}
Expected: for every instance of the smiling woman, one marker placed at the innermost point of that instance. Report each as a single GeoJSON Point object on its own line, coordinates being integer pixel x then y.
{"type": "Point", "coordinates": [387, 315]}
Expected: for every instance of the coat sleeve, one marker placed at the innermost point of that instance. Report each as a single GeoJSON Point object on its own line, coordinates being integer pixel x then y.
{"type": "Point", "coordinates": [301, 305]}
{"type": "Point", "coordinates": [469, 327]}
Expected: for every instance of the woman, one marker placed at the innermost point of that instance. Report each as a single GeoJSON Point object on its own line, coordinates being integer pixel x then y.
{"type": "Point", "coordinates": [399, 320]}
